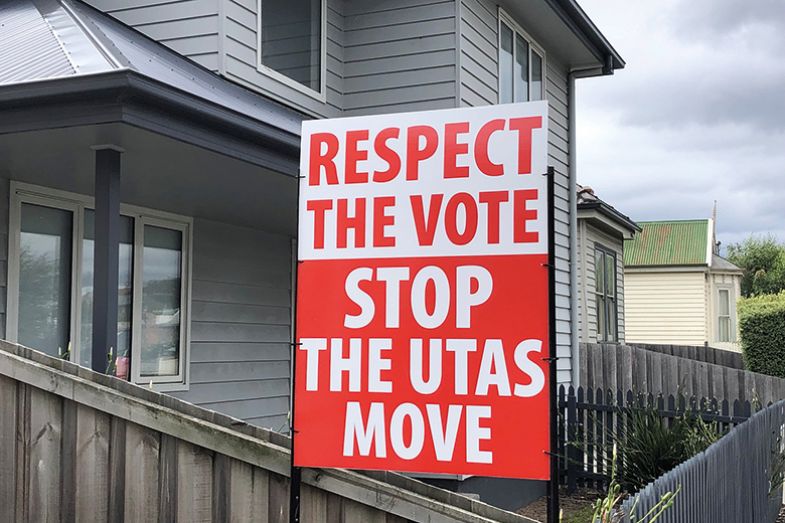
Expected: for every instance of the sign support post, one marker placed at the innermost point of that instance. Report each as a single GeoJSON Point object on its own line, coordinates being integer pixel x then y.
{"type": "Point", "coordinates": [553, 484]}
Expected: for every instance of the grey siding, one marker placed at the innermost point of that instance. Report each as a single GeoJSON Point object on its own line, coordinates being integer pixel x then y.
{"type": "Point", "coordinates": [239, 56]}
{"type": "Point", "coordinates": [399, 56]}
{"type": "Point", "coordinates": [5, 191]}
{"type": "Point", "coordinates": [479, 86]}
{"type": "Point", "coordinates": [479, 55]}
{"type": "Point", "coordinates": [589, 238]}
{"type": "Point", "coordinates": [240, 323]}
{"type": "Point", "coordinates": [190, 27]}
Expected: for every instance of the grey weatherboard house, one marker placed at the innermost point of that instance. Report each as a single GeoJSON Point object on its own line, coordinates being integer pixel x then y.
{"type": "Point", "coordinates": [149, 152]}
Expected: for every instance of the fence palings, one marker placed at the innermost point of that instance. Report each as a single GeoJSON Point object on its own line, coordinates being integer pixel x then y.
{"type": "Point", "coordinates": [592, 421]}
{"type": "Point", "coordinates": [732, 481]}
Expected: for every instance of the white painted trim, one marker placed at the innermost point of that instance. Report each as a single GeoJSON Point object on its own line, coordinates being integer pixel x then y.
{"type": "Point", "coordinates": [509, 21]}
{"type": "Point", "coordinates": [321, 94]}
{"type": "Point", "coordinates": [77, 203]}
{"type": "Point", "coordinates": [710, 243]}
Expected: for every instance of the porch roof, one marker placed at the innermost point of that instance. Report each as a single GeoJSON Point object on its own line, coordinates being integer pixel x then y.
{"type": "Point", "coordinates": [63, 50]}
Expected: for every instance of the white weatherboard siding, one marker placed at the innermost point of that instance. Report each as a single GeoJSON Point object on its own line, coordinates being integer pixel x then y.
{"type": "Point", "coordinates": [589, 238]}
{"type": "Point", "coordinates": [190, 27]}
{"type": "Point", "coordinates": [665, 307]}
{"type": "Point", "coordinates": [240, 323]}
{"type": "Point", "coordinates": [479, 86]}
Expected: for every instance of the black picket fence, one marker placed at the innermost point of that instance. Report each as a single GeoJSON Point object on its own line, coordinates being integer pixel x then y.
{"type": "Point", "coordinates": [591, 422]}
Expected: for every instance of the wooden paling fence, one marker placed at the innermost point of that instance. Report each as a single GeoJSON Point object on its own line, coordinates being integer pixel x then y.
{"type": "Point", "coordinates": [737, 479]}
{"type": "Point", "coordinates": [723, 357]}
{"type": "Point", "coordinates": [614, 366]}
{"type": "Point", "coordinates": [592, 421]}
{"type": "Point", "coordinates": [80, 446]}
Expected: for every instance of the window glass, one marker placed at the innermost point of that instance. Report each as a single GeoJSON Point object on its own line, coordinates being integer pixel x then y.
{"type": "Point", "coordinates": [521, 69]}
{"type": "Point", "coordinates": [724, 302]}
{"type": "Point", "coordinates": [45, 279]}
{"type": "Point", "coordinates": [291, 39]}
{"type": "Point", "coordinates": [505, 65]}
{"type": "Point", "coordinates": [599, 272]}
{"type": "Point", "coordinates": [535, 89]}
{"type": "Point", "coordinates": [125, 293]}
{"type": "Point", "coordinates": [724, 316]}
{"type": "Point", "coordinates": [161, 273]}
{"type": "Point", "coordinates": [610, 275]}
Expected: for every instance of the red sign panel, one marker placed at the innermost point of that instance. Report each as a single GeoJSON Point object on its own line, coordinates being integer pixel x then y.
{"type": "Point", "coordinates": [422, 295]}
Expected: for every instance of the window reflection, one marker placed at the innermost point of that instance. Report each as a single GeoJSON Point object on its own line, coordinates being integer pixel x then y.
{"type": "Point", "coordinates": [125, 294]}
{"type": "Point", "coordinates": [162, 263]}
{"type": "Point", "coordinates": [45, 279]}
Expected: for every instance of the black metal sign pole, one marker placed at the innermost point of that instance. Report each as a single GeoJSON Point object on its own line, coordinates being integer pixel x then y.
{"type": "Point", "coordinates": [553, 484]}
{"type": "Point", "coordinates": [295, 473]}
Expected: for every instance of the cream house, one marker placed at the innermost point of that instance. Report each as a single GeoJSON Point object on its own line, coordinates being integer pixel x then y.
{"type": "Point", "coordinates": [678, 289]}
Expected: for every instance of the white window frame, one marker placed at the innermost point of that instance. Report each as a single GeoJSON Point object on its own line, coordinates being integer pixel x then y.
{"type": "Point", "coordinates": [731, 318]}
{"type": "Point", "coordinates": [77, 203]}
{"type": "Point", "coordinates": [510, 22]}
{"type": "Point", "coordinates": [321, 94]}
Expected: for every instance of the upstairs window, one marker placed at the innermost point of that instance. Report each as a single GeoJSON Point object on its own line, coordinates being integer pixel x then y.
{"type": "Point", "coordinates": [521, 64]}
{"type": "Point", "coordinates": [291, 42]}
{"type": "Point", "coordinates": [605, 294]}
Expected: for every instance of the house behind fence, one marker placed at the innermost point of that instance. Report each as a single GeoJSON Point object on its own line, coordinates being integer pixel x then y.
{"type": "Point", "coordinates": [730, 482]}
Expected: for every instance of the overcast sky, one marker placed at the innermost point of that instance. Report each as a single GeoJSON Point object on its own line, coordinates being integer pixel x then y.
{"type": "Point", "coordinates": [697, 115]}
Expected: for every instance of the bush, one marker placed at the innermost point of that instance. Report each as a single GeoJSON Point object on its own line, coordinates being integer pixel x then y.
{"type": "Point", "coordinates": [762, 328]}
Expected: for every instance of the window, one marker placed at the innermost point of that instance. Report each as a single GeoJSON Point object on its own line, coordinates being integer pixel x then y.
{"type": "Point", "coordinates": [521, 64]}
{"type": "Point", "coordinates": [53, 236]}
{"type": "Point", "coordinates": [291, 40]}
{"type": "Point", "coordinates": [605, 294]}
{"type": "Point", "coordinates": [724, 322]}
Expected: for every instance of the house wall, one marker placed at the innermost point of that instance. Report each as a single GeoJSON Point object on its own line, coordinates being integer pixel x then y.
{"type": "Point", "coordinates": [399, 56]}
{"type": "Point", "coordinates": [716, 281]}
{"type": "Point", "coordinates": [665, 307]}
{"type": "Point", "coordinates": [382, 56]}
{"type": "Point", "coordinates": [240, 323]}
{"type": "Point", "coordinates": [588, 239]}
{"type": "Point", "coordinates": [190, 27]}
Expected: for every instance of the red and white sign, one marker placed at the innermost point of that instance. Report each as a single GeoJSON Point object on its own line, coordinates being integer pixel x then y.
{"type": "Point", "coordinates": [422, 293]}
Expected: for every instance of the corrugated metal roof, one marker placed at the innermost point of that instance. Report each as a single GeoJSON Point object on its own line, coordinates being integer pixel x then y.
{"type": "Point", "coordinates": [665, 243]}
{"type": "Point", "coordinates": [47, 39]}
{"type": "Point", "coordinates": [29, 50]}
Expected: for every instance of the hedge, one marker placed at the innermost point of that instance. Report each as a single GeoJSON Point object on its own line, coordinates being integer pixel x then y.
{"type": "Point", "coordinates": [762, 328]}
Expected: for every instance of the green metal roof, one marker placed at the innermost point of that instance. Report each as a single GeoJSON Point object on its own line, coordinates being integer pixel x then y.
{"type": "Point", "coordinates": [668, 243]}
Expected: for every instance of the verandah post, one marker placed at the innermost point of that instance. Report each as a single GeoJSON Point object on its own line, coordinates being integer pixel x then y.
{"type": "Point", "coordinates": [106, 257]}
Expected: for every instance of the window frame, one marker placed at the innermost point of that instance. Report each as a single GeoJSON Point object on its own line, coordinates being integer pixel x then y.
{"type": "Point", "coordinates": [321, 94]}
{"type": "Point", "coordinates": [509, 21]}
{"type": "Point", "coordinates": [731, 323]}
{"type": "Point", "coordinates": [602, 337]}
{"type": "Point", "coordinates": [24, 193]}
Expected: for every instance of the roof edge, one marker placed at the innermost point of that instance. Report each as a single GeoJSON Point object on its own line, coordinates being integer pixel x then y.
{"type": "Point", "coordinates": [578, 18]}
{"type": "Point", "coordinates": [612, 214]}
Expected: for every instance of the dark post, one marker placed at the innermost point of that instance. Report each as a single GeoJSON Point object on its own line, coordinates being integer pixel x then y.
{"type": "Point", "coordinates": [553, 484]}
{"type": "Point", "coordinates": [106, 258]}
{"type": "Point", "coordinates": [295, 473]}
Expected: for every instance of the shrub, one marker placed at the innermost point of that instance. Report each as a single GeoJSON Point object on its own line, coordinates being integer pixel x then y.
{"type": "Point", "coordinates": [652, 445]}
{"type": "Point", "coordinates": [762, 328]}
